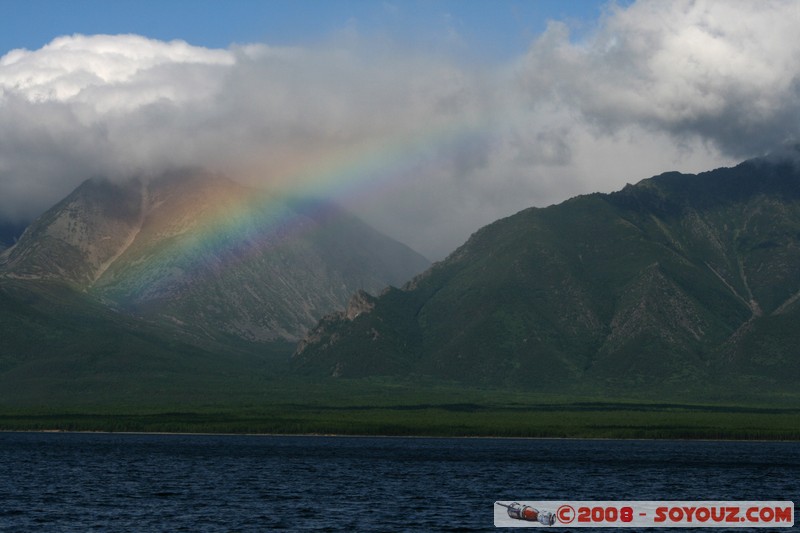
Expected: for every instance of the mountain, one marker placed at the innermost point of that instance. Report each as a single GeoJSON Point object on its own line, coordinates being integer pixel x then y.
{"type": "Point", "coordinates": [206, 255]}
{"type": "Point", "coordinates": [74, 240]}
{"type": "Point", "coordinates": [680, 282]}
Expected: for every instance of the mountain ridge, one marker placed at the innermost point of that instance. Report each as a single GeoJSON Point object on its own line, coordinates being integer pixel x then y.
{"type": "Point", "coordinates": [659, 284]}
{"type": "Point", "coordinates": [199, 250]}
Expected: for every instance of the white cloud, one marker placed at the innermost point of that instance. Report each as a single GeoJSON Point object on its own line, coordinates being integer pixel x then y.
{"type": "Point", "coordinates": [426, 147]}
{"type": "Point", "coordinates": [84, 69]}
{"type": "Point", "coordinates": [726, 71]}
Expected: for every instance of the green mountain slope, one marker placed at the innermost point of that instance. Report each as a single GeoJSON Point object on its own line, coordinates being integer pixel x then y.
{"type": "Point", "coordinates": [680, 282]}
{"type": "Point", "coordinates": [61, 347]}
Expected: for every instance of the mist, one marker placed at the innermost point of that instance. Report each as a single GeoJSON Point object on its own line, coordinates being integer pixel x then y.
{"type": "Point", "coordinates": [427, 147]}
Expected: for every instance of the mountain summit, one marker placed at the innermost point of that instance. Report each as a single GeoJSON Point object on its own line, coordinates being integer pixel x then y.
{"type": "Point", "coordinates": [208, 255]}
{"type": "Point", "coordinates": [679, 281]}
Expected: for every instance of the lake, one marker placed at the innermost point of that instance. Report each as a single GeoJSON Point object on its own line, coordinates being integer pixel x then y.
{"type": "Point", "coordinates": [130, 482]}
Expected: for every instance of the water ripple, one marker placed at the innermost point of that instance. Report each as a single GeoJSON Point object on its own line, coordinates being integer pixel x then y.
{"type": "Point", "coordinates": [105, 482]}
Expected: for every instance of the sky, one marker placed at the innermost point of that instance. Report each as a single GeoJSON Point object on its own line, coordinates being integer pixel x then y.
{"type": "Point", "coordinates": [491, 29]}
{"type": "Point", "coordinates": [429, 119]}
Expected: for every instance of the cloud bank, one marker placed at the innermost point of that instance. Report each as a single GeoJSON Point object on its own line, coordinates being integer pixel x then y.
{"type": "Point", "coordinates": [427, 147]}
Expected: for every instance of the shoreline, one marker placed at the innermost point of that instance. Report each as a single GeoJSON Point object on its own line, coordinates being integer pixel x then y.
{"type": "Point", "coordinates": [422, 420]}
{"type": "Point", "coordinates": [367, 436]}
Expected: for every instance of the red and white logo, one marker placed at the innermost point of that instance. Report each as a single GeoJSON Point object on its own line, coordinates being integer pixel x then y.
{"type": "Point", "coordinates": [642, 514]}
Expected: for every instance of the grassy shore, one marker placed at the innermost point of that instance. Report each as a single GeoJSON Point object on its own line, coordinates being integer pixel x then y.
{"type": "Point", "coordinates": [451, 421]}
{"type": "Point", "coordinates": [381, 409]}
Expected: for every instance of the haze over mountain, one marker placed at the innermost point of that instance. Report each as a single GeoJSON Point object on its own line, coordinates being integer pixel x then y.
{"type": "Point", "coordinates": [10, 232]}
{"type": "Point", "coordinates": [208, 255]}
{"type": "Point", "coordinates": [426, 140]}
{"type": "Point", "coordinates": [679, 282]}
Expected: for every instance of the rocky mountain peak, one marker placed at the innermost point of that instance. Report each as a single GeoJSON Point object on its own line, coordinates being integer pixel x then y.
{"type": "Point", "coordinates": [76, 239]}
{"type": "Point", "coordinates": [199, 249]}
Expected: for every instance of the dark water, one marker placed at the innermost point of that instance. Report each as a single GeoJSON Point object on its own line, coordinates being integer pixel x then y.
{"type": "Point", "coordinates": [115, 482]}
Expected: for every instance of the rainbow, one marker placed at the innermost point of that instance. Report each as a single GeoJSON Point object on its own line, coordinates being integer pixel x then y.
{"type": "Point", "coordinates": [234, 236]}
{"type": "Point", "coordinates": [380, 165]}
